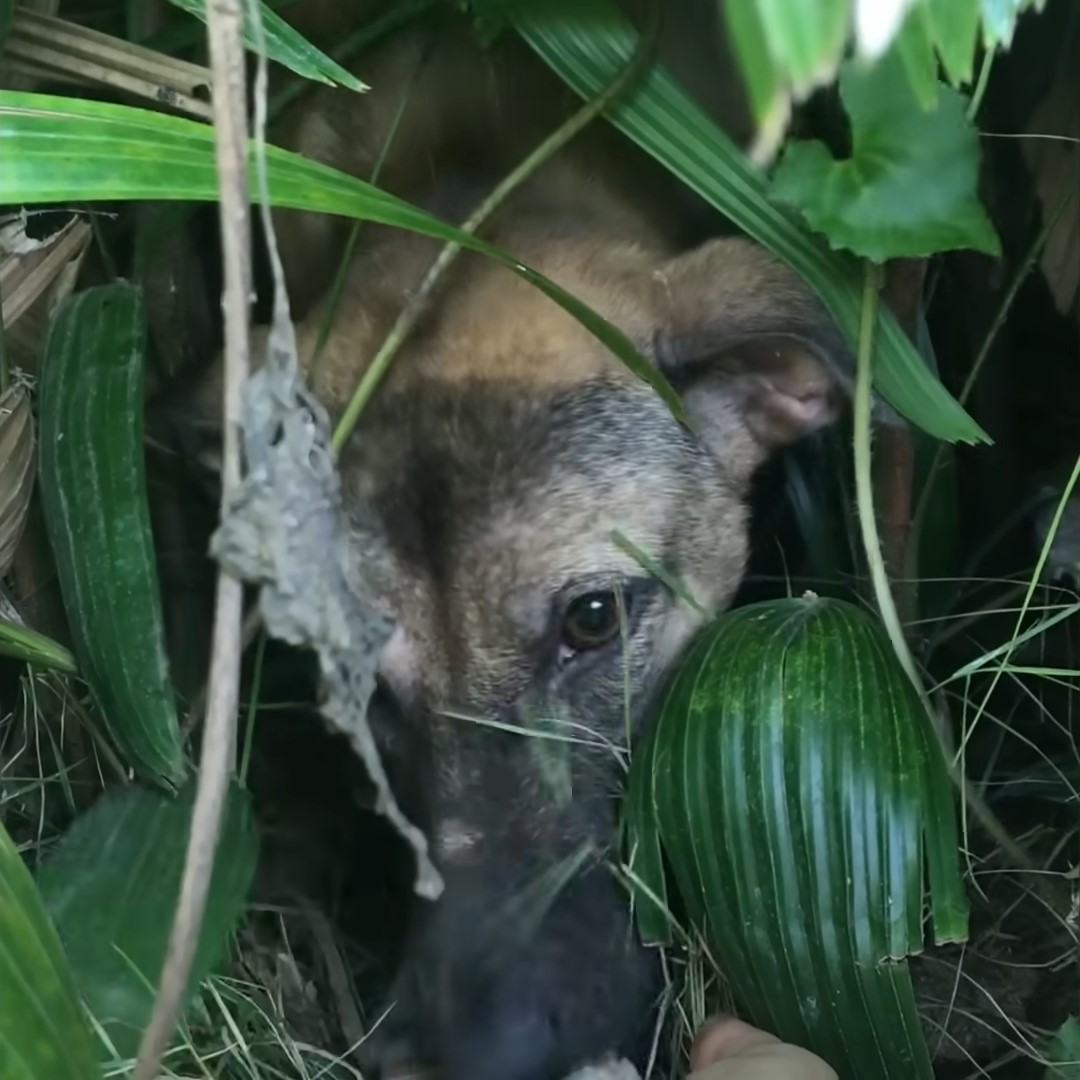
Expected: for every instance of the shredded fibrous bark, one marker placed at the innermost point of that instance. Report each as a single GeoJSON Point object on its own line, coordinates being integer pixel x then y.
{"type": "Point", "coordinates": [286, 532]}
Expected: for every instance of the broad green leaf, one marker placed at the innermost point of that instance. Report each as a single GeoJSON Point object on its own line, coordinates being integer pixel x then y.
{"type": "Point", "coordinates": [768, 95]}
{"type": "Point", "coordinates": [999, 19]}
{"type": "Point", "coordinates": [93, 494]}
{"type": "Point", "coordinates": [806, 38]}
{"type": "Point", "coordinates": [910, 186]}
{"type": "Point", "coordinates": [111, 886]}
{"type": "Point", "coordinates": [588, 47]}
{"type": "Point", "coordinates": [43, 1031]}
{"type": "Point", "coordinates": [172, 158]}
{"type": "Point", "coordinates": [801, 801]}
{"type": "Point", "coordinates": [916, 49]}
{"type": "Point", "coordinates": [1063, 1054]}
{"type": "Point", "coordinates": [22, 643]}
{"type": "Point", "coordinates": [286, 46]}
{"type": "Point", "coordinates": [954, 26]}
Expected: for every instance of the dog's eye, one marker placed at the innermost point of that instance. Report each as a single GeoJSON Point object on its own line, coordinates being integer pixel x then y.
{"type": "Point", "coordinates": [591, 621]}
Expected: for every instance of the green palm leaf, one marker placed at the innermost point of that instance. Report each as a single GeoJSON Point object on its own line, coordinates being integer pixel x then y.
{"type": "Point", "coordinates": [61, 150]}
{"type": "Point", "coordinates": [795, 788]}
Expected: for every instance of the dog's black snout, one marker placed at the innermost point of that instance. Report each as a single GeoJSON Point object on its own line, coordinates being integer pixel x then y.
{"type": "Point", "coordinates": [488, 997]}
{"type": "Point", "coordinates": [512, 1033]}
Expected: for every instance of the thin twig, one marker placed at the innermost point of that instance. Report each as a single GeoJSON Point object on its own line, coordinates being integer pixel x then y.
{"type": "Point", "coordinates": [224, 27]}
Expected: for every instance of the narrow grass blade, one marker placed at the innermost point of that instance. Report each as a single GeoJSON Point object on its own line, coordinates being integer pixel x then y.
{"type": "Point", "coordinates": [587, 46]}
{"type": "Point", "coordinates": [61, 150]}
{"type": "Point", "coordinates": [43, 1032]}
{"type": "Point", "coordinates": [799, 796]}
{"type": "Point", "coordinates": [286, 46]}
{"type": "Point", "coordinates": [22, 643]}
{"type": "Point", "coordinates": [94, 498]}
{"type": "Point", "coordinates": [111, 886]}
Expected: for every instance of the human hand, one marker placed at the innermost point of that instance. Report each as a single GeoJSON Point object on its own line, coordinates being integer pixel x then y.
{"type": "Point", "coordinates": [731, 1050]}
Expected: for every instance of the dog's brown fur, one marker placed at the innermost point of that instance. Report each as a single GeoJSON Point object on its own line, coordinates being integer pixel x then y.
{"type": "Point", "coordinates": [491, 468]}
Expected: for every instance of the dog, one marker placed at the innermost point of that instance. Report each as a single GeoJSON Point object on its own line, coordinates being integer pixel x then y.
{"type": "Point", "coordinates": [491, 469]}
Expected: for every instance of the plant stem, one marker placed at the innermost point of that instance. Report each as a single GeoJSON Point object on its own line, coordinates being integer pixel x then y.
{"type": "Point", "coordinates": [224, 23]}
{"type": "Point", "coordinates": [253, 709]}
{"type": "Point", "coordinates": [326, 326]}
{"type": "Point", "coordinates": [864, 485]}
{"type": "Point", "coordinates": [864, 497]}
{"type": "Point", "coordinates": [981, 84]}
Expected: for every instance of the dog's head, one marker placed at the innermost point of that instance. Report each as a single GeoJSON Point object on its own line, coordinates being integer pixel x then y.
{"type": "Point", "coordinates": [500, 472]}
{"type": "Point", "coordinates": [519, 484]}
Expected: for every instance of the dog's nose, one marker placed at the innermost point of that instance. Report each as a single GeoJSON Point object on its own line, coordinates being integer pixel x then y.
{"type": "Point", "coordinates": [509, 1033]}
{"type": "Point", "coordinates": [506, 1033]}
{"type": "Point", "coordinates": [492, 991]}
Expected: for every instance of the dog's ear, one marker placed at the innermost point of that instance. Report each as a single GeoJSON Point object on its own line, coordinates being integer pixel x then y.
{"type": "Point", "coordinates": [757, 358]}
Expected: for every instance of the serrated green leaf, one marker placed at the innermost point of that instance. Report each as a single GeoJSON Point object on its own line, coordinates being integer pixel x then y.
{"type": "Point", "coordinates": [93, 495]}
{"type": "Point", "coordinates": [768, 94]}
{"type": "Point", "coordinates": [1063, 1053]}
{"type": "Point", "coordinates": [1000, 17]}
{"type": "Point", "coordinates": [806, 38]}
{"type": "Point", "coordinates": [22, 643]}
{"type": "Point", "coordinates": [910, 188]}
{"type": "Point", "coordinates": [916, 49]}
{"type": "Point", "coordinates": [954, 26]}
{"type": "Point", "coordinates": [587, 47]}
{"type": "Point", "coordinates": [172, 158]}
{"type": "Point", "coordinates": [43, 1031]}
{"type": "Point", "coordinates": [286, 46]}
{"type": "Point", "coordinates": [111, 886]}
{"type": "Point", "coordinates": [796, 787]}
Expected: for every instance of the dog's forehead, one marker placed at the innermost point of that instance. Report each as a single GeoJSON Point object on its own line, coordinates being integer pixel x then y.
{"type": "Point", "coordinates": [458, 471]}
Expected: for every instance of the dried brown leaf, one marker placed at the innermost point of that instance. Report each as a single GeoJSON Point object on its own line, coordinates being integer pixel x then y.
{"type": "Point", "coordinates": [35, 275]}
{"type": "Point", "coordinates": [43, 47]}
{"type": "Point", "coordinates": [16, 469]}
